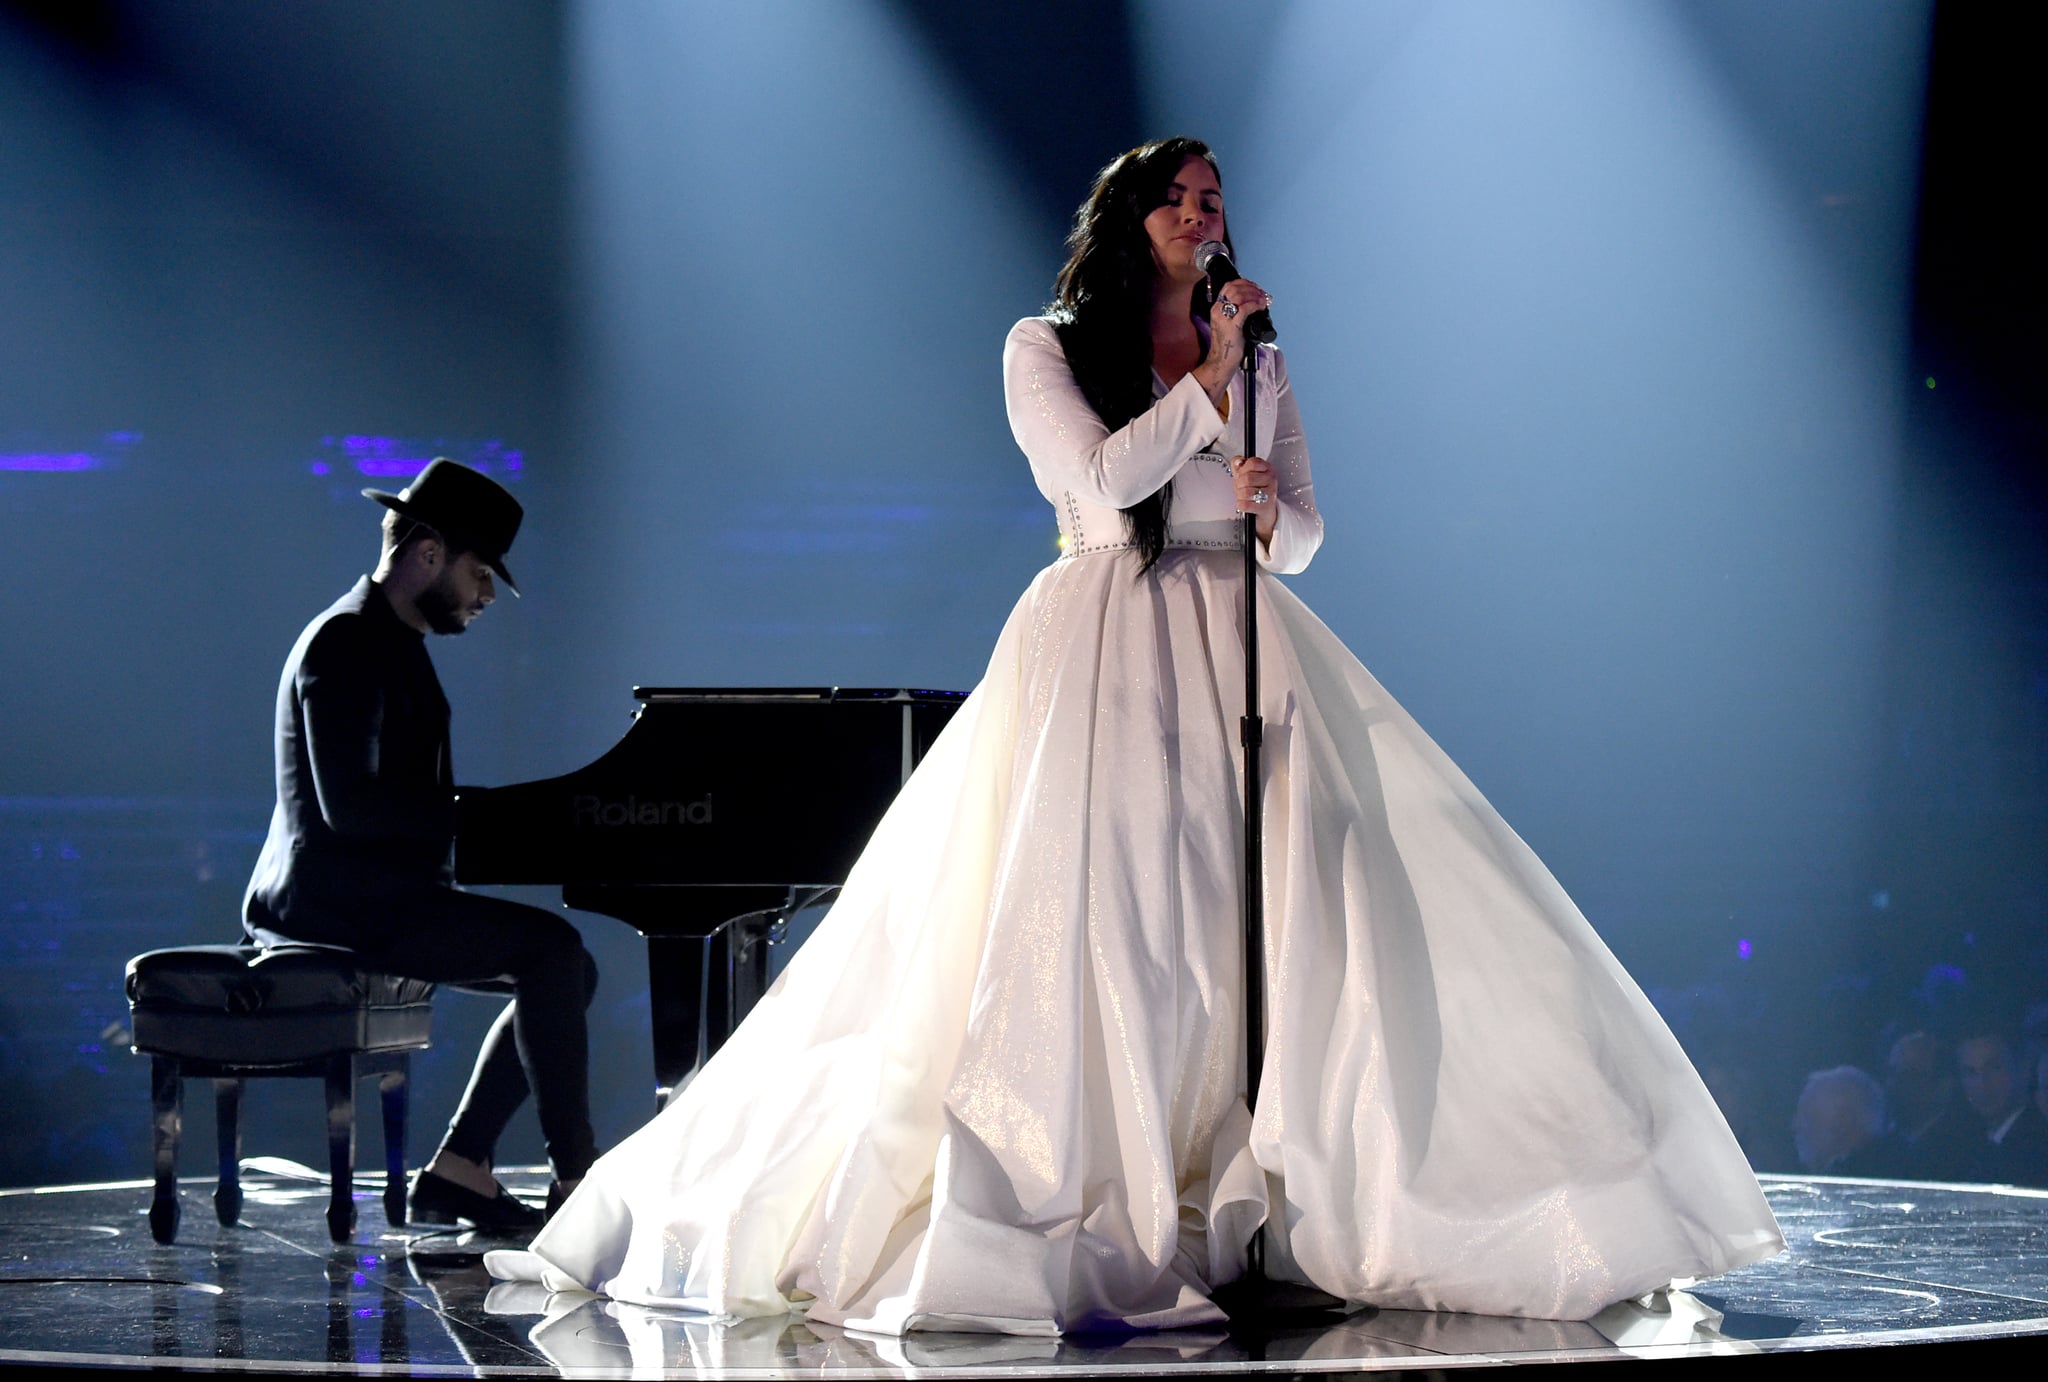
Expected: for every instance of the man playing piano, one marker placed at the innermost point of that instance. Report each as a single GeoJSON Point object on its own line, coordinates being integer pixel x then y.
{"type": "Point", "coordinates": [358, 851]}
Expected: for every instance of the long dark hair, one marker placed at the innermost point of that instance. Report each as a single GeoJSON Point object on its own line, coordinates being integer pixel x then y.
{"type": "Point", "coordinates": [1102, 301]}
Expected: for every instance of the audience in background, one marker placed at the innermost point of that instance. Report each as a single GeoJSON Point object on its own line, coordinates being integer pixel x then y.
{"type": "Point", "coordinates": [1960, 1056]}
{"type": "Point", "coordinates": [2013, 1144]}
{"type": "Point", "coordinates": [1838, 1121]}
{"type": "Point", "coordinates": [1932, 1132]}
{"type": "Point", "coordinates": [1976, 1113]}
{"type": "Point", "coordinates": [1734, 1093]}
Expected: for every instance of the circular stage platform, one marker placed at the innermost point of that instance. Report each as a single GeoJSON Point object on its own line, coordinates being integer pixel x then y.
{"type": "Point", "coordinates": [1953, 1272]}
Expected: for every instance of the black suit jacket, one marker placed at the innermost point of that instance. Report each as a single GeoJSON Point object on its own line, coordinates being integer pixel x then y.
{"type": "Point", "coordinates": [1946, 1148]}
{"type": "Point", "coordinates": [2022, 1158]}
{"type": "Point", "coordinates": [365, 788]}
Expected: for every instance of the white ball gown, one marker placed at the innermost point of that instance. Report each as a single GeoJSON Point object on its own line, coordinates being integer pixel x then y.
{"type": "Point", "coordinates": [1000, 1088]}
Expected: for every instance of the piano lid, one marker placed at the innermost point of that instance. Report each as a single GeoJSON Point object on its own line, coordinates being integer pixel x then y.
{"type": "Point", "coordinates": [730, 786]}
{"type": "Point", "coordinates": [797, 694]}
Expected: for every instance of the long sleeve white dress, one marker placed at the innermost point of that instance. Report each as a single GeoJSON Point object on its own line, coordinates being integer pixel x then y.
{"type": "Point", "coordinates": [1001, 1087]}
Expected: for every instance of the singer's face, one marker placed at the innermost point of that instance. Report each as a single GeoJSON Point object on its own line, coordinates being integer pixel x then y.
{"type": "Point", "coordinates": [1193, 213]}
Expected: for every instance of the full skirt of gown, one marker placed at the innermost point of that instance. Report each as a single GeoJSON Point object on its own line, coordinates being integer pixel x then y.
{"type": "Point", "coordinates": [1001, 1086]}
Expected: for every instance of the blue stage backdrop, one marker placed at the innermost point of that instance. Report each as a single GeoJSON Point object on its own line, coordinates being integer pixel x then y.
{"type": "Point", "coordinates": [1609, 323]}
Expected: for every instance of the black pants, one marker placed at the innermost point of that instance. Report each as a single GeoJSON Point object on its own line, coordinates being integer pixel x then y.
{"type": "Point", "coordinates": [488, 945]}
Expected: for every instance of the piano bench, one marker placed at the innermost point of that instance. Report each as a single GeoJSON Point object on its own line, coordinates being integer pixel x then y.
{"type": "Point", "coordinates": [232, 1013]}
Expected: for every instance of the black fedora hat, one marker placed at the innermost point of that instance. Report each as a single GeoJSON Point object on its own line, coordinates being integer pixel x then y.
{"type": "Point", "coordinates": [471, 510]}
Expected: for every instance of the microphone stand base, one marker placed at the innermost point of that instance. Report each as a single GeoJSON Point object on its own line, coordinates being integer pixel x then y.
{"type": "Point", "coordinates": [1258, 1306]}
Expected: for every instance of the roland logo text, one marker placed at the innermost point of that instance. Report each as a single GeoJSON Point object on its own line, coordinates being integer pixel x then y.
{"type": "Point", "coordinates": [631, 810]}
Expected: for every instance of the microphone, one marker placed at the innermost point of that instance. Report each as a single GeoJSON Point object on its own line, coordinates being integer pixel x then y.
{"type": "Point", "coordinates": [1212, 257]}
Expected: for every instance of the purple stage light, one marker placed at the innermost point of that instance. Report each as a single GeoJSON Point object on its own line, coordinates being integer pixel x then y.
{"type": "Point", "coordinates": [101, 453]}
{"type": "Point", "coordinates": [401, 458]}
{"type": "Point", "coordinates": [38, 460]}
{"type": "Point", "coordinates": [383, 457]}
{"type": "Point", "coordinates": [1743, 948]}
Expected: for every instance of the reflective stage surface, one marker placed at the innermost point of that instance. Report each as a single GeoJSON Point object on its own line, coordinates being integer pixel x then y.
{"type": "Point", "coordinates": [81, 1283]}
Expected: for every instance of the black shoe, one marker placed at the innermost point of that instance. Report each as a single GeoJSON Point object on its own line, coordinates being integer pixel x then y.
{"type": "Point", "coordinates": [438, 1200]}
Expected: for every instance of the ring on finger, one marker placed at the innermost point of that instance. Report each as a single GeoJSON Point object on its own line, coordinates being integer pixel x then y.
{"type": "Point", "coordinates": [1229, 309]}
{"type": "Point", "coordinates": [1259, 496]}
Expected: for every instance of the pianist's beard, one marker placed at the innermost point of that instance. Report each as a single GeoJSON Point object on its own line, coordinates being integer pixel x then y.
{"type": "Point", "coordinates": [441, 605]}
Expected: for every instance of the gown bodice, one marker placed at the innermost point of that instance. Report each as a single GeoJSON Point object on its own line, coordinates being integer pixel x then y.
{"type": "Point", "coordinates": [1090, 474]}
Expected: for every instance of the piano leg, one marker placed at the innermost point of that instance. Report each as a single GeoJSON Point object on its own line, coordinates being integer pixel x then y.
{"type": "Point", "coordinates": [675, 989]}
{"type": "Point", "coordinates": [686, 946]}
{"type": "Point", "coordinates": [736, 956]}
{"type": "Point", "coordinates": [749, 965]}
{"type": "Point", "coordinates": [718, 996]}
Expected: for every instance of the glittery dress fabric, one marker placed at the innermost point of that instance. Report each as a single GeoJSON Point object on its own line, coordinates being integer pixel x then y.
{"type": "Point", "coordinates": [1000, 1088]}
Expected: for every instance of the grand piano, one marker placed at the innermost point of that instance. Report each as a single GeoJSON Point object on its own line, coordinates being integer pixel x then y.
{"type": "Point", "coordinates": [717, 815]}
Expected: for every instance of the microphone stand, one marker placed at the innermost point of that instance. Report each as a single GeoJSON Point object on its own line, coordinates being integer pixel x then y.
{"type": "Point", "coordinates": [1251, 733]}
{"type": "Point", "coordinates": [1255, 1303]}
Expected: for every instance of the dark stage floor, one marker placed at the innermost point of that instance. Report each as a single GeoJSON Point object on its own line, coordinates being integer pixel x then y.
{"type": "Point", "coordinates": [81, 1284]}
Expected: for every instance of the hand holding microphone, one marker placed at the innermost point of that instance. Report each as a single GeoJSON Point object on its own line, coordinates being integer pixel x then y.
{"type": "Point", "coordinates": [1239, 315]}
{"type": "Point", "coordinates": [1234, 294]}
